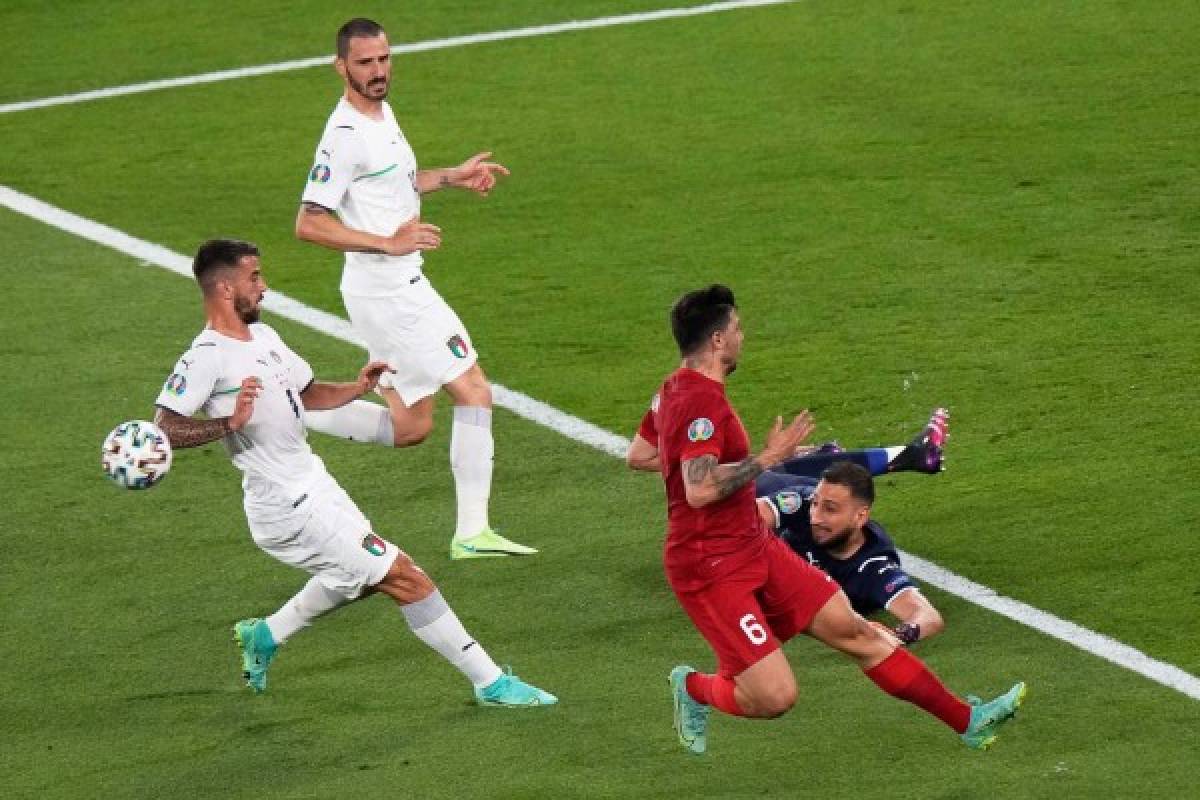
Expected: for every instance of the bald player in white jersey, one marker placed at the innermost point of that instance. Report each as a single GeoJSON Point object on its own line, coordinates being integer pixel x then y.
{"type": "Point", "coordinates": [256, 393]}
{"type": "Point", "coordinates": [363, 198]}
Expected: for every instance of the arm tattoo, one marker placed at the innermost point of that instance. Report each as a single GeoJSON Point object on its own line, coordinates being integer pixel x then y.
{"type": "Point", "coordinates": [696, 470]}
{"type": "Point", "coordinates": [727, 478]}
{"type": "Point", "coordinates": [734, 477]}
{"type": "Point", "coordinates": [444, 181]}
{"type": "Point", "coordinates": [189, 432]}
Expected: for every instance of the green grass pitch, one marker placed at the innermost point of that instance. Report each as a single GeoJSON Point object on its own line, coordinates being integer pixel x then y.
{"type": "Point", "coordinates": [991, 206]}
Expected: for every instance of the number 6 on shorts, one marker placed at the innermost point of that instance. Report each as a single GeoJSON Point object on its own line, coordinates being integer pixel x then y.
{"type": "Point", "coordinates": [753, 630]}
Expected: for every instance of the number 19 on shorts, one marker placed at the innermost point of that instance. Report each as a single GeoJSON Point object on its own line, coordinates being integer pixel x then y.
{"type": "Point", "coordinates": [753, 630]}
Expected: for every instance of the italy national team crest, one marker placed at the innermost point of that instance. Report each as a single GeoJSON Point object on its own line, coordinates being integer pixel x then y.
{"type": "Point", "coordinates": [788, 502]}
{"type": "Point", "coordinates": [320, 174]}
{"type": "Point", "coordinates": [374, 545]}
{"type": "Point", "coordinates": [457, 346]}
{"type": "Point", "coordinates": [176, 384]}
{"type": "Point", "coordinates": [700, 430]}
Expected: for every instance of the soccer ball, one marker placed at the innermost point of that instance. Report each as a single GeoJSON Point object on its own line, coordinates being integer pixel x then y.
{"type": "Point", "coordinates": [136, 455]}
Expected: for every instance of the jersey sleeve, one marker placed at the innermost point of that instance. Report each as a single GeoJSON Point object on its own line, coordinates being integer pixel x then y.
{"type": "Point", "coordinates": [791, 507]}
{"type": "Point", "coordinates": [648, 429]}
{"type": "Point", "coordinates": [706, 422]}
{"type": "Point", "coordinates": [191, 383]}
{"type": "Point", "coordinates": [882, 580]}
{"type": "Point", "coordinates": [338, 161]}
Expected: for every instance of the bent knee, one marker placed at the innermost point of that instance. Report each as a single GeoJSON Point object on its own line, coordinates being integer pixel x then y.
{"type": "Point", "coordinates": [780, 701]}
{"type": "Point", "coordinates": [471, 389]}
{"type": "Point", "coordinates": [411, 431]}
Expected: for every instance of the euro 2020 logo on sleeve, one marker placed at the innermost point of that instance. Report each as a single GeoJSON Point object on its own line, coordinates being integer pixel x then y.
{"type": "Point", "coordinates": [700, 430]}
{"type": "Point", "coordinates": [176, 384]}
{"type": "Point", "coordinates": [320, 174]}
{"type": "Point", "coordinates": [788, 502]}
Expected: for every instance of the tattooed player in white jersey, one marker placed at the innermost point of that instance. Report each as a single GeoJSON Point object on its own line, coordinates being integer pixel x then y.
{"type": "Point", "coordinates": [255, 392]}
{"type": "Point", "coordinates": [363, 198]}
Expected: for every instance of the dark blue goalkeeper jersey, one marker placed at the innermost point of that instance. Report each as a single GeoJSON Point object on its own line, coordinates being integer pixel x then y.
{"type": "Point", "coordinates": [870, 578]}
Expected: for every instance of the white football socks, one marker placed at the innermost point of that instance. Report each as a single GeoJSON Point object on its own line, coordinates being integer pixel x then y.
{"type": "Point", "coordinates": [436, 624]}
{"type": "Point", "coordinates": [312, 601]}
{"type": "Point", "coordinates": [472, 449]}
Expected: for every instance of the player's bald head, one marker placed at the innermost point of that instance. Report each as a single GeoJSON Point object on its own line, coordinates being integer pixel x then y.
{"type": "Point", "coordinates": [697, 315]}
{"type": "Point", "coordinates": [217, 257]}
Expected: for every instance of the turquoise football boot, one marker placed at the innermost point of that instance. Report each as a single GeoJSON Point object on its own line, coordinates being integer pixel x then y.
{"type": "Point", "coordinates": [691, 718]}
{"type": "Point", "coordinates": [986, 718]}
{"type": "Point", "coordinates": [258, 648]}
{"type": "Point", "coordinates": [509, 691]}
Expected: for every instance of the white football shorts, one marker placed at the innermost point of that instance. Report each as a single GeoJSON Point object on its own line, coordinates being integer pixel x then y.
{"type": "Point", "coordinates": [418, 334]}
{"type": "Point", "coordinates": [323, 533]}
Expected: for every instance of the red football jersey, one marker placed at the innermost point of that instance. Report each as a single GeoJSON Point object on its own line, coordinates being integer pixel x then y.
{"type": "Point", "coordinates": [691, 417]}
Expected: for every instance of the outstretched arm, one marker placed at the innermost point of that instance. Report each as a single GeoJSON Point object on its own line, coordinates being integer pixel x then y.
{"type": "Point", "coordinates": [318, 396]}
{"type": "Point", "coordinates": [191, 432]}
{"type": "Point", "coordinates": [706, 482]}
{"type": "Point", "coordinates": [476, 174]}
{"type": "Point", "coordinates": [918, 618]}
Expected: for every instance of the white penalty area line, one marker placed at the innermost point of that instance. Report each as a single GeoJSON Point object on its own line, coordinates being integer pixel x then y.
{"type": "Point", "coordinates": [279, 303]}
{"type": "Point", "coordinates": [412, 47]}
{"type": "Point", "coordinates": [586, 433]}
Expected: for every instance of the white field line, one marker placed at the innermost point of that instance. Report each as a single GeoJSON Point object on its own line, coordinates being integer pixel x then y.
{"type": "Point", "coordinates": [412, 47]}
{"type": "Point", "coordinates": [586, 433]}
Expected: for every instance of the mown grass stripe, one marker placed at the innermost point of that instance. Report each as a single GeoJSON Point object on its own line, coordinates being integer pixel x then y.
{"type": "Point", "coordinates": [585, 432]}
{"type": "Point", "coordinates": [412, 47]}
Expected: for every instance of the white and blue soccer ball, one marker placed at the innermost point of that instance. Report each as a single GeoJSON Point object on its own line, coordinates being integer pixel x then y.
{"type": "Point", "coordinates": [136, 455]}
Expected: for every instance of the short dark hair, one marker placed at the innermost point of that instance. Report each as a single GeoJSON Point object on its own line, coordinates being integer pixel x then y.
{"type": "Point", "coordinates": [216, 255]}
{"type": "Point", "coordinates": [698, 315]}
{"type": "Point", "coordinates": [355, 28]}
{"type": "Point", "coordinates": [853, 477]}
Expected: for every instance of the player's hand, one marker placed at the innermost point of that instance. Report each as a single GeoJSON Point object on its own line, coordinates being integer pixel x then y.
{"type": "Point", "coordinates": [243, 407]}
{"type": "Point", "coordinates": [368, 376]}
{"type": "Point", "coordinates": [783, 440]}
{"type": "Point", "coordinates": [412, 236]}
{"type": "Point", "coordinates": [477, 173]}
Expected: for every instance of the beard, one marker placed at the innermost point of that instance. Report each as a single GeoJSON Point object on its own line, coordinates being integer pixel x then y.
{"type": "Point", "coordinates": [836, 541]}
{"type": "Point", "coordinates": [364, 89]}
{"type": "Point", "coordinates": [247, 311]}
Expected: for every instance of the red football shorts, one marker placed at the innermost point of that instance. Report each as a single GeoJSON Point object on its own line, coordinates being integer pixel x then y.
{"type": "Point", "coordinates": [745, 614]}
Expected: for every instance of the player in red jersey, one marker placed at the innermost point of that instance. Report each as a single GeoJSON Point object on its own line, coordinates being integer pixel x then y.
{"type": "Point", "coordinates": [743, 588]}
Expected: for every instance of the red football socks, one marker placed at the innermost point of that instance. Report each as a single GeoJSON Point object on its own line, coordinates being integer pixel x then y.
{"type": "Point", "coordinates": [715, 691]}
{"type": "Point", "coordinates": [903, 675]}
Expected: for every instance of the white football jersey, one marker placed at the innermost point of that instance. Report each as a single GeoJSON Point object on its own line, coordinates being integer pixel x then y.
{"type": "Point", "coordinates": [272, 449]}
{"type": "Point", "coordinates": [365, 170]}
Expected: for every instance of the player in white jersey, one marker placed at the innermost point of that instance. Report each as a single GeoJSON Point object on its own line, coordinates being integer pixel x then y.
{"type": "Point", "coordinates": [363, 198]}
{"type": "Point", "coordinates": [255, 393]}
